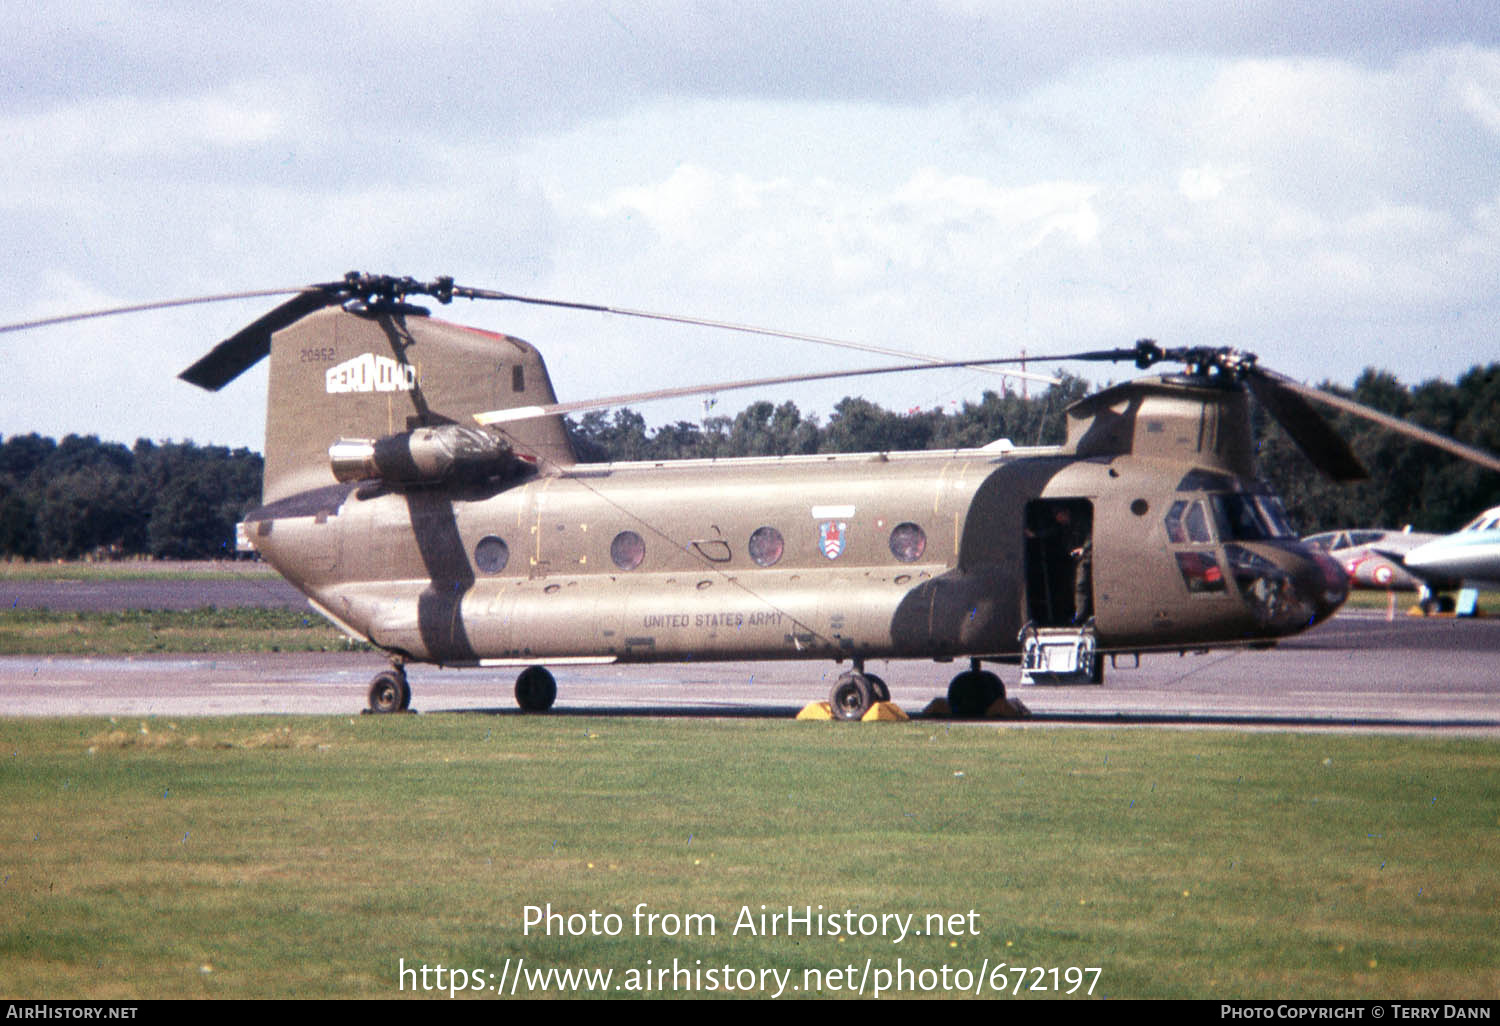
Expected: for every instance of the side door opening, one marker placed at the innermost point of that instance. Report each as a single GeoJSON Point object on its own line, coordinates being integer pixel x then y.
{"type": "Point", "coordinates": [1059, 561]}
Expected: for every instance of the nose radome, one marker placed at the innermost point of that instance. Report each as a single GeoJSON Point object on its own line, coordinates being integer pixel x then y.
{"type": "Point", "coordinates": [1326, 588]}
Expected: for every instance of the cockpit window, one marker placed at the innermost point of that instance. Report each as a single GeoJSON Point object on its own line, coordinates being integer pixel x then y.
{"type": "Point", "coordinates": [1250, 517]}
{"type": "Point", "coordinates": [1176, 532]}
{"type": "Point", "coordinates": [1200, 572]}
{"type": "Point", "coordinates": [1205, 481]}
{"type": "Point", "coordinates": [1275, 513]}
{"type": "Point", "coordinates": [1197, 524]}
{"type": "Point", "coordinates": [1187, 522]}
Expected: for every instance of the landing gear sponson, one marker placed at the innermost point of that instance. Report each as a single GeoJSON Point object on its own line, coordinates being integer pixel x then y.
{"type": "Point", "coordinates": [855, 692]}
{"type": "Point", "coordinates": [970, 694]}
{"type": "Point", "coordinates": [536, 689]}
{"type": "Point", "coordinates": [389, 691]}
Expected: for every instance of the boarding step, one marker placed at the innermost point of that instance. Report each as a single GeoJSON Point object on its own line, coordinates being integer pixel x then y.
{"type": "Point", "coordinates": [1060, 655]}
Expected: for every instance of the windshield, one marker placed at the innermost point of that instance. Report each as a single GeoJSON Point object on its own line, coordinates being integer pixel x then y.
{"type": "Point", "coordinates": [1248, 517]}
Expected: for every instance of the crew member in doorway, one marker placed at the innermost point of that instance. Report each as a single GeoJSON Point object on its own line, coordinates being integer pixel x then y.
{"type": "Point", "coordinates": [1083, 581]}
{"type": "Point", "coordinates": [1060, 542]}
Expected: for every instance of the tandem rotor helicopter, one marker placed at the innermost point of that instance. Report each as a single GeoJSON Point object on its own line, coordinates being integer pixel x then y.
{"type": "Point", "coordinates": [421, 490]}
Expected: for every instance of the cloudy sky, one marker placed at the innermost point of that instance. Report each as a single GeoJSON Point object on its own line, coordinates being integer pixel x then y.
{"type": "Point", "coordinates": [1317, 183]}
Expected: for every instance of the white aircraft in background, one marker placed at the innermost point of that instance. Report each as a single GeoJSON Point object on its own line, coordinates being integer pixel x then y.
{"type": "Point", "coordinates": [1471, 554]}
{"type": "Point", "coordinates": [1372, 557]}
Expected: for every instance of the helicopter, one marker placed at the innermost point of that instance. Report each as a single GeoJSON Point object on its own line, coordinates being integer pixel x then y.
{"type": "Point", "coordinates": [421, 490]}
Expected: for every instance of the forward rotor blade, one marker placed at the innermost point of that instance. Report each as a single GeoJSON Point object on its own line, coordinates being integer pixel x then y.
{"type": "Point", "coordinates": [1324, 446]}
{"type": "Point", "coordinates": [1468, 452]}
{"type": "Point", "coordinates": [528, 412]}
{"type": "Point", "coordinates": [472, 293]}
{"type": "Point", "coordinates": [248, 346]}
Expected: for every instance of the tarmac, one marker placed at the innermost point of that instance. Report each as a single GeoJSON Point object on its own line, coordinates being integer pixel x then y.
{"type": "Point", "coordinates": [1357, 672]}
{"type": "Point", "coordinates": [192, 590]}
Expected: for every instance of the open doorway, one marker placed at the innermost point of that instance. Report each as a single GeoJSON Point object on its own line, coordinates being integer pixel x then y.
{"type": "Point", "coordinates": [1059, 561]}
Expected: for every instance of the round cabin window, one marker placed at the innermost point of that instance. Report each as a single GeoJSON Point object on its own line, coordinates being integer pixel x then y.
{"type": "Point", "coordinates": [627, 550]}
{"type": "Point", "coordinates": [491, 554]}
{"type": "Point", "coordinates": [767, 546]}
{"type": "Point", "coordinates": [908, 542]}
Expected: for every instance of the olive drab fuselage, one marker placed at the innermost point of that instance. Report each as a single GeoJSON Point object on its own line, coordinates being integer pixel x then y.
{"type": "Point", "coordinates": [461, 550]}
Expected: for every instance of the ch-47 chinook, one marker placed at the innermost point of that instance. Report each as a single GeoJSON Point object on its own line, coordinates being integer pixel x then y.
{"type": "Point", "coordinates": [421, 490]}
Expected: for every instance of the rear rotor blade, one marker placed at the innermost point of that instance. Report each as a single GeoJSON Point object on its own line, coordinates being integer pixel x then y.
{"type": "Point", "coordinates": [1468, 452]}
{"type": "Point", "coordinates": [252, 343]}
{"type": "Point", "coordinates": [528, 412]}
{"type": "Point", "coordinates": [162, 304]}
{"type": "Point", "coordinates": [465, 292]}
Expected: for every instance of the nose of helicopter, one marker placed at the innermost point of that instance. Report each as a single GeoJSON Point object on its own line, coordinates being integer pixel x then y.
{"type": "Point", "coordinates": [1323, 582]}
{"type": "Point", "coordinates": [1289, 586]}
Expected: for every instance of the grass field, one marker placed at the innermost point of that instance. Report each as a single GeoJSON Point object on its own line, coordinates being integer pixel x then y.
{"type": "Point", "coordinates": [134, 631]}
{"type": "Point", "coordinates": [311, 856]}
{"type": "Point", "coordinates": [1489, 601]}
{"type": "Point", "coordinates": [135, 569]}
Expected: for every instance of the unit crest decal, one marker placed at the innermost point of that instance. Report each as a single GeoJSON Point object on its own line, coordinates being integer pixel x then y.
{"type": "Point", "coordinates": [832, 536]}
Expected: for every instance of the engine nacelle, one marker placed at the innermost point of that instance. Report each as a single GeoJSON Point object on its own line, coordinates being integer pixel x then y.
{"type": "Point", "coordinates": [428, 455]}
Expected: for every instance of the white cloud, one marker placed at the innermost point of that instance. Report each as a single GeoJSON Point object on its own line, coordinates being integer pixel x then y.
{"type": "Point", "coordinates": [936, 223]}
{"type": "Point", "coordinates": [1204, 183]}
{"type": "Point", "coordinates": [1475, 79]}
{"type": "Point", "coordinates": [1045, 182]}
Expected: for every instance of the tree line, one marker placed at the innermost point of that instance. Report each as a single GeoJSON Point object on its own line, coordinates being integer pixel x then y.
{"type": "Point", "coordinates": [855, 425]}
{"type": "Point", "coordinates": [85, 498]}
{"type": "Point", "coordinates": [1410, 483]}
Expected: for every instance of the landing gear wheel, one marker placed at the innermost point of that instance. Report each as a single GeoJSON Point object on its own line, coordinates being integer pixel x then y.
{"type": "Point", "coordinates": [878, 688]}
{"type": "Point", "coordinates": [389, 692]}
{"type": "Point", "coordinates": [972, 692]}
{"type": "Point", "coordinates": [851, 697]}
{"type": "Point", "coordinates": [536, 689]}
{"type": "Point", "coordinates": [1437, 604]}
